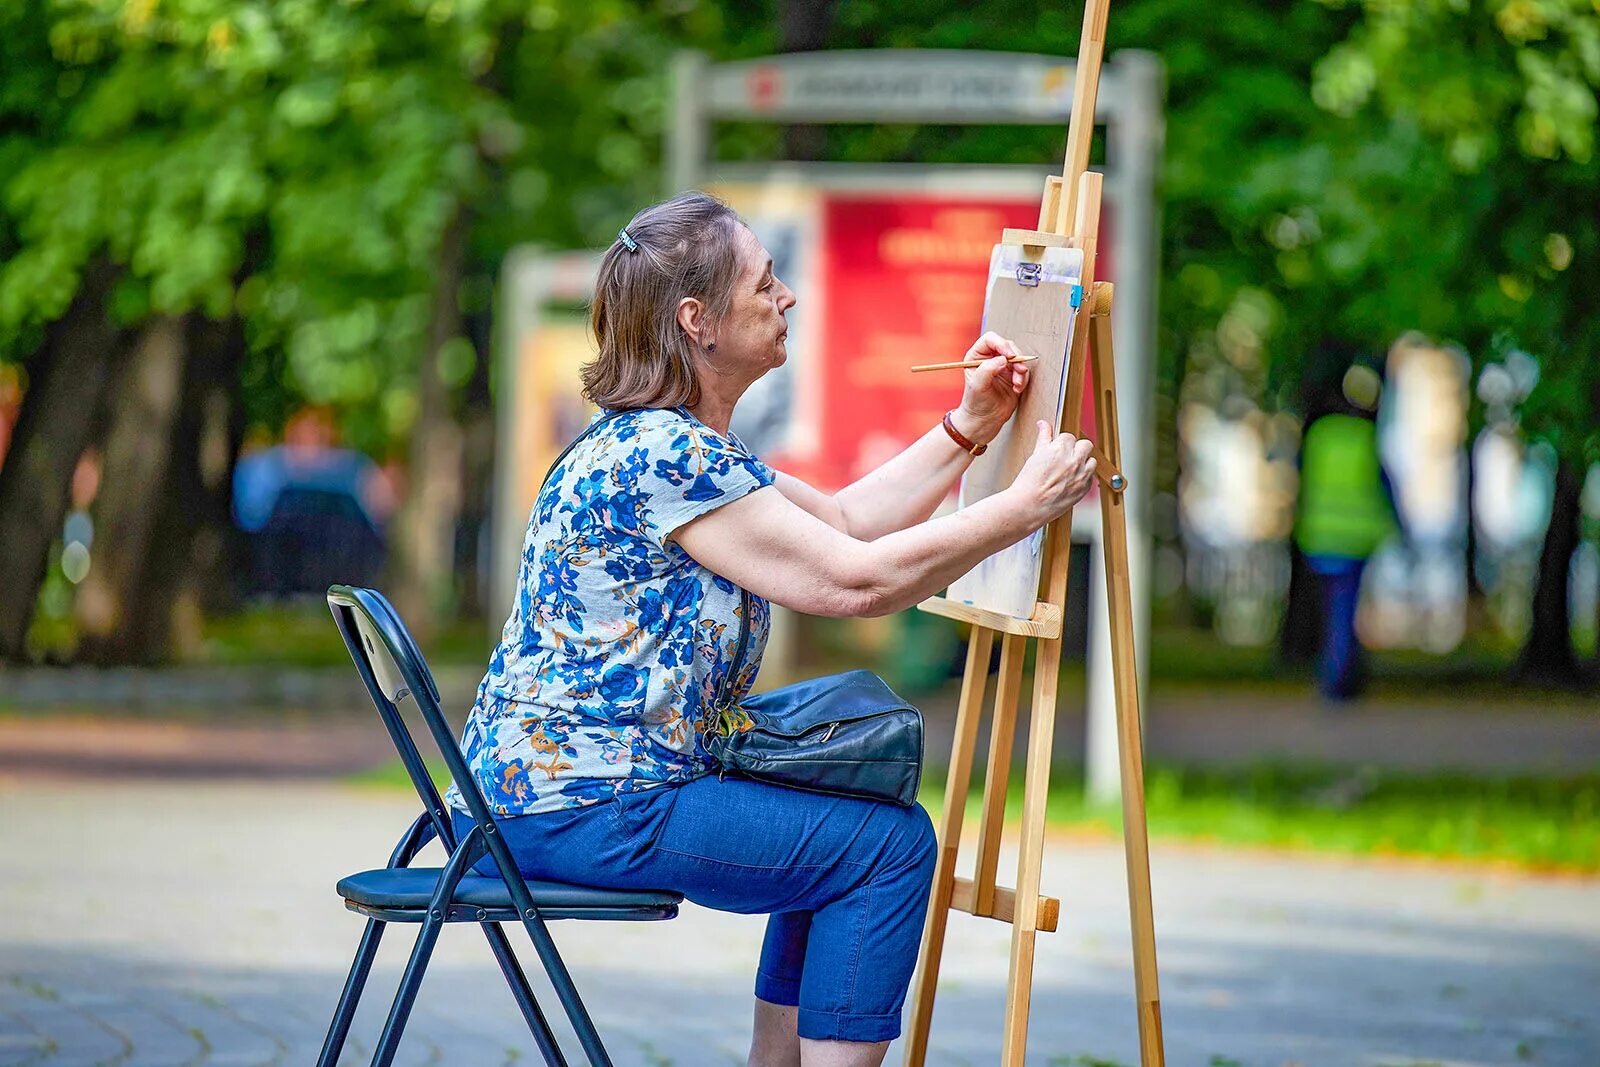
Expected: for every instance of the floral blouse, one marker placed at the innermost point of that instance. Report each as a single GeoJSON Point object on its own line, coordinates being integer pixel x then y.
{"type": "Point", "coordinates": [618, 640]}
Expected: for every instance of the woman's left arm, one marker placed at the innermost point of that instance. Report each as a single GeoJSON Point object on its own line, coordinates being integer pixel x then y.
{"type": "Point", "coordinates": [909, 487]}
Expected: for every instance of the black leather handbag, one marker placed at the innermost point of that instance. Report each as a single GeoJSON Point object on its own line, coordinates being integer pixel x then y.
{"type": "Point", "coordinates": [847, 733]}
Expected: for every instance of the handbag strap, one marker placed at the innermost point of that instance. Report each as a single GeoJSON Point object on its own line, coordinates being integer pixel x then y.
{"type": "Point", "coordinates": [587, 430]}
{"type": "Point", "coordinates": [746, 602]}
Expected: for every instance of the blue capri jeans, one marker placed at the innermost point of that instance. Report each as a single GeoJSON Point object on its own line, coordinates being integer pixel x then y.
{"type": "Point", "coordinates": [846, 882]}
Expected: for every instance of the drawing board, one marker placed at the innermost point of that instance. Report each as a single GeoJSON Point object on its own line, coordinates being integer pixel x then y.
{"type": "Point", "coordinates": [1032, 300]}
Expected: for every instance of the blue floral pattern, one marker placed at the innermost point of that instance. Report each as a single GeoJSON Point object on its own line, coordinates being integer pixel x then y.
{"type": "Point", "coordinates": [618, 640]}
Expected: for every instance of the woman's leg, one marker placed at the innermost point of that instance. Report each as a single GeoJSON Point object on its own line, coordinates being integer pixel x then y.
{"type": "Point", "coordinates": [783, 957]}
{"type": "Point", "coordinates": [841, 1053]}
{"type": "Point", "coordinates": [849, 879]}
{"type": "Point", "coordinates": [859, 869]}
{"type": "Point", "coordinates": [775, 1042]}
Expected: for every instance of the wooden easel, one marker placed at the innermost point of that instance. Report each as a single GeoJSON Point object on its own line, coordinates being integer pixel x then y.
{"type": "Point", "coordinates": [1074, 196]}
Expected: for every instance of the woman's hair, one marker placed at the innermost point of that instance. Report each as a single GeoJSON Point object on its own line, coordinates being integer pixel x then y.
{"type": "Point", "coordinates": [683, 247]}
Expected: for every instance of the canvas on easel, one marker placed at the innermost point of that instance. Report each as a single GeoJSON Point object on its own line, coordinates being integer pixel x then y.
{"type": "Point", "coordinates": [1042, 295]}
{"type": "Point", "coordinates": [1035, 301]}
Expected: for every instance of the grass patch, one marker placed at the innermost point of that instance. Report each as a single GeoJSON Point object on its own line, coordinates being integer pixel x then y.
{"type": "Point", "coordinates": [921, 653]}
{"type": "Point", "coordinates": [302, 634]}
{"type": "Point", "coordinates": [392, 775]}
{"type": "Point", "coordinates": [1532, 823]}
{"type": "Point", "coordinates": [1535, 823]}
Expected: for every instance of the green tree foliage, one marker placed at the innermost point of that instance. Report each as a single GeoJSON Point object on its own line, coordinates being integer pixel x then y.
{"type": "Point", "coordinates": [344, 177]}
{"type": "Point", "coordinates": [1500, 100]}
{"type": "Point", "coordinates": [345, 134]}
{"type": "Point", "coordinates": [1350, 167]}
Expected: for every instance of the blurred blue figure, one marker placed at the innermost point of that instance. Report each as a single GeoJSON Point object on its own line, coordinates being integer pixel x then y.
{"type": "Point", "coordinates": [314, 513]}
{"type": "Point", "coordinates": [1346, 510]}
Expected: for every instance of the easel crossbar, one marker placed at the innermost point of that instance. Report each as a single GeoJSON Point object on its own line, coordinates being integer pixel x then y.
{"type": "Point", "coordinates": [1046, 620]}
{"type": "Point", "coordinates": [965, 898]}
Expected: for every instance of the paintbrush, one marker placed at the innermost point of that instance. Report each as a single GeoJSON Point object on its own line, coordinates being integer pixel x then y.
{"type": "Point", "coordinates": [967, 364]}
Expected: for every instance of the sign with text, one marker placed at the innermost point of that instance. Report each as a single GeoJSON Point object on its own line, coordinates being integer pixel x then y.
{"type": "Point", "coordinates": [895, 86]}
{"type": "Point", "coordinates": [902, 282]}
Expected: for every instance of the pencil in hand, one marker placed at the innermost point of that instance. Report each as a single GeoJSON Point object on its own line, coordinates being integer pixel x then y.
{"type": "Point", "coordinates": [967, 364]}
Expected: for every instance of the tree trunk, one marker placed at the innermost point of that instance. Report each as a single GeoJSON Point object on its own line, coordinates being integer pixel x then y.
{"type": "Point", "coordinates": [426, 526]}
{"type": "Point", "coordinates": [477, 479]}
{"type": "Point", "coordinates": [1548, 657]}
{"type": "Point", "coordinates": [1594, 657]}
{"type": "Point", "coordinates": [139, 446]}
{"type": "Point", "coordinates": [195, 551]}
{"type": "Point", "coordinates": [1301, 634]}
{"type": "Point", "coordinates": [805, 26]}
{"type": "Point", "coordinates": [69, 374]}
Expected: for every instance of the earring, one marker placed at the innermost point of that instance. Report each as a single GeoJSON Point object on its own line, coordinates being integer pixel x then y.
{"type": "Point", "coordinates": [712, 347]}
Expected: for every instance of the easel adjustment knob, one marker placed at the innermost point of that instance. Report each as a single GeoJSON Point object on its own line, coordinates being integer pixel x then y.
{"type": "Point", "coordinates": [1117, 483]}
{"type": "Point", "coordinates": [1100, 299]}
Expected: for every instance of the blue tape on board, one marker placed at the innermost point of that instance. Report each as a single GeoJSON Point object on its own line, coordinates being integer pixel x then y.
{"type": "Point", "coordinates": [1077, 296]}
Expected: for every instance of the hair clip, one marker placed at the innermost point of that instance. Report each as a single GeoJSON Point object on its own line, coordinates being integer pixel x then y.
{"type": "Point", "coordinates": [627, 240]}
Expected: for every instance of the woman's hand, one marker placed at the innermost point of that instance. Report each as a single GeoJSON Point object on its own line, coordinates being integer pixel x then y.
{"type": "Point", "coordinates": [1056, 476]}
{"type": "Point", "coordinates": [991, 391]}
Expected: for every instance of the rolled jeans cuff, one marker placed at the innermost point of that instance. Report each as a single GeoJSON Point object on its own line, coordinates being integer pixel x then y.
{"type": "Point", "coordinates": [846, 1026]}
{"type": "Point", "coordinates": [775, 990]}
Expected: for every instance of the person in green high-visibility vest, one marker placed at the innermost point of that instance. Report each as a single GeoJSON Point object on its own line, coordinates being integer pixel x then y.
{"type": "Point", "coordinates": [1345, 511]}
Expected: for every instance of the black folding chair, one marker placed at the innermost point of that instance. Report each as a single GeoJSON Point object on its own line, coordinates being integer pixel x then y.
{"type": "Point", "coordinates": [393, 669]}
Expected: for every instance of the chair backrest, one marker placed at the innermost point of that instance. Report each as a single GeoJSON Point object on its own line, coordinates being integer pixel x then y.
{"type": "Point", "coordinates": [392, 667]}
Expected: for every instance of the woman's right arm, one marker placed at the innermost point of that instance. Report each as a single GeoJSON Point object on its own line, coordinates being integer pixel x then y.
{"type": "Point", "coordinates": [783, 553]}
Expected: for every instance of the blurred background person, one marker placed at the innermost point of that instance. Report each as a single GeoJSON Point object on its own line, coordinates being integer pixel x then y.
{"type": "Point", "coordinates": [314, 513]}
{"type": "Point", "coordinates": [1345, 509]}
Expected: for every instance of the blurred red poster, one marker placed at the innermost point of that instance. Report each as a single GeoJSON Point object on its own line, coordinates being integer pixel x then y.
{"type": "Point", "coordinates": [903, 283]}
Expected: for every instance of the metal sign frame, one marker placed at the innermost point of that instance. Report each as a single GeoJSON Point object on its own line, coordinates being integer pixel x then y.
{"type": "Point", "coordinates": [911, 86]}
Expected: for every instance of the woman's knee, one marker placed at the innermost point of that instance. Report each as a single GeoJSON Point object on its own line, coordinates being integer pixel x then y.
{"type": "Point", "coordinates": [915, 844]}
{"type": "Point", "coordinates": [927, 844]}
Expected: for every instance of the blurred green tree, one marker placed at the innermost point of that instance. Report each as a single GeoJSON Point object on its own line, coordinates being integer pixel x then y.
{"type": "Point", "coordinates": [1491, 111]}
{"type": "Point", "coordinates": [213, 211]}
{"type": "Point", "coordinates": [1340, 169]}
{"type": "Point", "coordinates": [338, 183]}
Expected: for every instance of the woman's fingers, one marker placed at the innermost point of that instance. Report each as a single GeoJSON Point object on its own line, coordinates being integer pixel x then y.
{"type": "Point", "coordinates": [992, 344]}
{"type": "Point", "coordinates": [1019, 377]}
{"type": "Point", "coordinates": [983, 377]}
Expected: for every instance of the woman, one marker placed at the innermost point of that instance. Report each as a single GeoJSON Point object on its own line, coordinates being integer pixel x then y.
{"type": "Point", "coordinates": [587, 732]}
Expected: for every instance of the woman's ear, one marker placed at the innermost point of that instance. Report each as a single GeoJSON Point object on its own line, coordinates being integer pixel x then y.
{"type": "Point", "coordinates": [692, 318]}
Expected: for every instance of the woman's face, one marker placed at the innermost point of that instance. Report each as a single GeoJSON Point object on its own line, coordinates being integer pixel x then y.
{"type": "Point", "coordinates": [751, 336]}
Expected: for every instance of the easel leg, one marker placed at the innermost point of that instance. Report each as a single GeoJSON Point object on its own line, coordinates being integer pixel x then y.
{"type": "Point", "coordinates": [1042, 722]}
{"type": "Point", "coordinates": [1136, 844]}
{"type": "Point", "coordinates": [1030, 859]}
{"type": "Point", "coordinates": [1003, 725]}
{"type": "Point", "coordinates": [968, 713]}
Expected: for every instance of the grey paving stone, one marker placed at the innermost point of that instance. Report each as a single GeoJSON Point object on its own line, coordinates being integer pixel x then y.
{"type": "Point", "coordinates": [161, 924]}
{"type": "Point", "coordinates": [72, 1036]}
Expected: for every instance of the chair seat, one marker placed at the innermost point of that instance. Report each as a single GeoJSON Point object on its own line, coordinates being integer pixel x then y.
{"type": "Point", "coordinates": [391, 889]}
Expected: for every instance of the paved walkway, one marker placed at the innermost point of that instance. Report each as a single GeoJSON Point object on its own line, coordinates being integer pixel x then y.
{"type": "Point", "coordinates": [342, 734]}
{"type": "Point", "coordinates": [167, 923]}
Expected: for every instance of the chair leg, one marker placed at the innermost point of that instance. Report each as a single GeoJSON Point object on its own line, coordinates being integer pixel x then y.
{"type": "Point", "coordinates": [540, 1028]}
{"type": "Point", "coordinates": [339, 1029]}
{"type": "Point", "coordinates": [406, 995]}
{"type": "Point", "coordinates": [577, 1014]}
